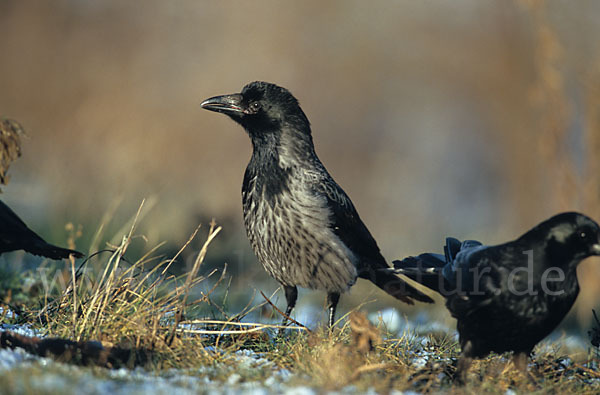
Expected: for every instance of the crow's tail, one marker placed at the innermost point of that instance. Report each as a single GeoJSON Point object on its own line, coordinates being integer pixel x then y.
{"type": "Point", "coordinates": [426, 269]}
{"type": "Point", "coordinates": [51, 251]}
{"type": "Point", "coordinates": [396, 287]}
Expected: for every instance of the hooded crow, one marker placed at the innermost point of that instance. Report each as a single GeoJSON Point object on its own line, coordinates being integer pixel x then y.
{"type": "Point", "coordinates": [302, 226]}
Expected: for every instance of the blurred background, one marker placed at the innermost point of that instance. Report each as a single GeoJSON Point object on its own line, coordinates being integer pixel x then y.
{"type": "Point", "coordinates": [465, 118]}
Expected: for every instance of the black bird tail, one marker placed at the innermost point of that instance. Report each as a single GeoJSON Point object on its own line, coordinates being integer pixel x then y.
{"type": "Point", "coordinates": [426, 269]}
{"type": "Point", "coordinates": [439, 272]}
{"type": "Point", "coordinates": [51, 251]}
{"type": "Point", "coordinates": [15, 235]}
{"type": "Point", "coordinates": [398, 288]}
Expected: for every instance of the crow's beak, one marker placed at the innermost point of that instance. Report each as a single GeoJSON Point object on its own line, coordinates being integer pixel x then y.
{"type": "Point", "coordinates": [596, 249]}
{"type": "Point", "coordinates": [227, 104]}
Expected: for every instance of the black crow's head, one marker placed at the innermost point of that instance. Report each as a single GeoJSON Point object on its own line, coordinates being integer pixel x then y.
{"type": "Point", "coordinates": [261, 108]}
{"type": "Point", "coordinates": [568, 237]}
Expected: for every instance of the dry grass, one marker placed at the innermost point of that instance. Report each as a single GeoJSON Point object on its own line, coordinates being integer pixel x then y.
{"type": "Point", "coordinates": [128, 305]}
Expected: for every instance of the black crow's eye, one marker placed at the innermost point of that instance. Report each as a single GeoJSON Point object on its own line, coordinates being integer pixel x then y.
{"type": "Point", "coordinates": [253, 107]}
{"type": "Point", "coordinates": [585, 233]}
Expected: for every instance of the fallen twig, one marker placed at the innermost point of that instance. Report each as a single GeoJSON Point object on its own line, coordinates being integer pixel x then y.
{"type": "Point", "coordinates": [283, 314]}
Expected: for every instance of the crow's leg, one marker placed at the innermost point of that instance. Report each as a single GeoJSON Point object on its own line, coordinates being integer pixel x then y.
{"type": "Point", "coordinates": [464, 363]}
{"type": "Point", "coordinates": [332, 300]}
{"type": "Point", "coordinates": [291, 295]}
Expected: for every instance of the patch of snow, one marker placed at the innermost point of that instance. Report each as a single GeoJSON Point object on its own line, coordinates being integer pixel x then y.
{"type": "Point", "coordinates": [24, 330]}
{"type": "Point", "coordinates": [234, 379]}
{"type": "Point", "coordinates": [395, 323]}
{"type": "Point", "coordinates": [11, 358]}
{"type": "Point", "coordinates": [9, 313]}
{"type": "Point", "coordinates": [51, 376]}
{"type": "Point", "coordinates": [419, 362]}
{"type": "Point", "coordinates": [390, 318]}
{"type": "Point", "coordinates": [300, 391]}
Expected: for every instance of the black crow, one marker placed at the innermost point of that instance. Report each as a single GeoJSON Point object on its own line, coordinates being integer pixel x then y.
{"type": "Point", "coordinates": [510, 296]}
{"type": "Point", "coordinates": [302, 226]}
{"type": "Point", "coordinates": [15, 235]}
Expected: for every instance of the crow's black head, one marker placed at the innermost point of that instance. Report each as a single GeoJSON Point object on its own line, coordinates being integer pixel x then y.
{"type": "Point", "coordinates": [568, 238]}
{"type": "Point", "coordinates": [261, 108]}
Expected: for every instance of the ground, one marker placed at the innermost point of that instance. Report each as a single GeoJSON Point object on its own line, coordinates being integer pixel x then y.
{"type": "Point", "coordinates": [131, 327]}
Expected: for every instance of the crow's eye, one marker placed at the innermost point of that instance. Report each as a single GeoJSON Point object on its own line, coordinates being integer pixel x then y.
{"type": "Point", "coordinates": [254, 107]}
{"type": "Point", "coordinates": [585, 233]}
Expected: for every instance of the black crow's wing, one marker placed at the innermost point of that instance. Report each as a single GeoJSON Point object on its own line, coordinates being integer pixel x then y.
{"type": "Point", "coordinates": [459, 271]}
{"type": "Point", "coordinates": [464, 263]}
{"type": "Point", "coordinates": [474, 276]}
{"type": "Point", "coordinates": [348, 226]}
{"type": "Point", "coordinates": [13, 231]}
{"type": "Point", "coordinates": [452, 248]}
{"type": "Point", "coordinates": [15, 235]}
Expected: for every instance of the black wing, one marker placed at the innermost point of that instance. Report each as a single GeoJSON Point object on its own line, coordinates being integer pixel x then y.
{"type": "Point", "coordinates": [474, 276]}
{"type": "Point", "coordinates": [15, 235]}
{"type": "Point", "coordinates": [348, 226]}
{"type": "Point", "coordinates": [13, 231]}
{"type": "Point", "coordinates": [459, 274]}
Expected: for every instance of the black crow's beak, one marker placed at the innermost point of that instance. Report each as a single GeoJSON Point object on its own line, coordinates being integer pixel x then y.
{"type": "Point", "coordinates": [227, 104]}
{"type": "Point", "coordinates": [596, 249]}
